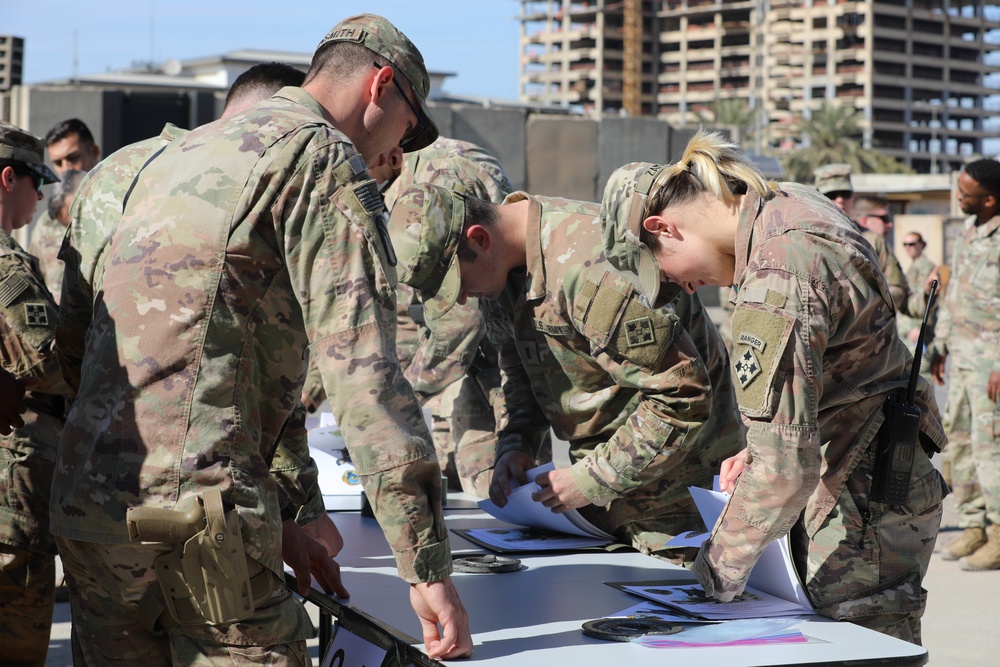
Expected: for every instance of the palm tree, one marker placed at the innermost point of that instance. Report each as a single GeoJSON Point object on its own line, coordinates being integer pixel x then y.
{"type": "Point", "coordinates": [834, 135]}
{"type": "Point", "coordinates": [732, 111]}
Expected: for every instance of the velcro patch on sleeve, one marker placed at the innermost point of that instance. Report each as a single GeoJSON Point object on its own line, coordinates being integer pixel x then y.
{"type": "Point", "coordinates": [369, 197]}
{"type": "Point", "coordinates": [12, 287]}
{"type": "Point", "coordinates": [36, 315]}
{"type": "Point", "coordinates": [759, 340]}
{"type": "Point", "coordinates": [643, 335]}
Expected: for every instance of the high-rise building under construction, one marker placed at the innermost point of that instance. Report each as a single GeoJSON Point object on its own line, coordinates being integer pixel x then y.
{"type": "Point", "coordinates": [923, 73]}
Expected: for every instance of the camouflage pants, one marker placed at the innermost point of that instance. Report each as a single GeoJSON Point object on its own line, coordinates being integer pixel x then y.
{"type": "Point", "coordinates": [972, 422]}
{"type": "Point", "coordinates": [106, 583]}
{"type": "Point", "coordinates": [865, 561]}
{"type": "Point", "coordinates": [464, 436]}
{"type": "Point", "coordinates": [27, 595]}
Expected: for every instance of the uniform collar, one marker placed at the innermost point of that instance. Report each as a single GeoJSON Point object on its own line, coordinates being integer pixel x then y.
{"type": "Point", "coordinates": [749, 212]}
{"type": "Point", "coordinates": [534, 286]}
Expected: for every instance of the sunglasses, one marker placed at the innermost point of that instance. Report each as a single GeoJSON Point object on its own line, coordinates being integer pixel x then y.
{"type": "Point", "coordinates": [839, 194]}
{"type": "Point", "coordinates": [416, 132]}
{"type": "Point", "coordinates": [36, 180]}
{"type": "Point", "coordinates": [911, 244]}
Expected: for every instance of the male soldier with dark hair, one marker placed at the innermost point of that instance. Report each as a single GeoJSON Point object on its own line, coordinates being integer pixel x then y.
{"type": "Point", "coordinates": [241, 243]}
{"type": "Point", "coordinates": [259, 83]}
{"type": "Point", "coordinates": [95, 215]}
{"type": "Point", "coordinates": [968, 336]}
{"type": "Point", "coordinates": [642, 394]}
{"type": "Point", "coordinates": [27, 328]}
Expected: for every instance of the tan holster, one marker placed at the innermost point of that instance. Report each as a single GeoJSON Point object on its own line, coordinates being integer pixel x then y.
{"type": "Point", "coordinates": [206, 579]}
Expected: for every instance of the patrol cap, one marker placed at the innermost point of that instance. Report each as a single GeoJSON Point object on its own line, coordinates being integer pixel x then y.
{"type": "Point", "coordinates": [426, 225]}
{"type": "Point", "coordinates": [379, 35]}
{"type": "Point", "coordinates": [16, 144]}
{"type": "Point", "coordinates": [622, 213]}
{"type": "Point", "coordinates": [834, 177]}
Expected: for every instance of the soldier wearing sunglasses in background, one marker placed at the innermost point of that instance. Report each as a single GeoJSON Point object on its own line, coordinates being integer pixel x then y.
{"type": "Point", "coordinates": [873, 216]}
{"type": "Point", "coordinates": [27, 455]}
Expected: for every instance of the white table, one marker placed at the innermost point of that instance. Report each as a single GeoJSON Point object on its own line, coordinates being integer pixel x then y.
{"type": "Point", "coordinates": [532, 618]}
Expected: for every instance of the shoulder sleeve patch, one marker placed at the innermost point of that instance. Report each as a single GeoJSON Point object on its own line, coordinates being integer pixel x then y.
{"type": "Point", "coordinates": [759, 340]}
{"type": "Point", "coordinates": [369, 197]}
{"type": "Point", "coordinates": [643, 335]}
{"type": "Point", "coordinates": [12, 287]}
{"type": "Point", "coordinates": [604, 309]}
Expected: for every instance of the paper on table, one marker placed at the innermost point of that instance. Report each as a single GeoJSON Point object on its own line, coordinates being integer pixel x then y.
{"type": "Point", "coordinates": [338, 481]}
{"type": "Point", "coordinates": [521, 510]}
{"type": "Point", "coordinates": [691, 599]}
{"type": "Point", "coordinates": [774, 572]}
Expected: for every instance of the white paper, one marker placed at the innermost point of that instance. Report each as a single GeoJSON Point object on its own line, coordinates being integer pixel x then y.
{"type": "Point", "coordinates": [521, 510]}
{"type": "Point", "coordinates": [528, 539]}
{"type": "Point", "coordinates": [691, 599]}
{"type": "Point", "coordinates": [774, 572]}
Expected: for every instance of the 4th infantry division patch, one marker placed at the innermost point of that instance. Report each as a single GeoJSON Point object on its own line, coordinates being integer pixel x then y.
{"type": "Point", "coordinates": [747, 367]}
{"type": "Point", "coordinates": [35, 315]}
{"type": "Point", "coordinates": [639, 332]}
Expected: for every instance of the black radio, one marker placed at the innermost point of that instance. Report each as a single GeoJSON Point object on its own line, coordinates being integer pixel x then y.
{"type": "Point", "coordinates": [899, 437]}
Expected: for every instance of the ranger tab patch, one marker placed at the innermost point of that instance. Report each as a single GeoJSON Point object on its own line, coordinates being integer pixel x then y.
{"type": "Point", "coordinates": [639, 332]}
{"type": "Point", "coordinates": [747, 367]}
{"type": "Point", "coordinates": [36, 315]}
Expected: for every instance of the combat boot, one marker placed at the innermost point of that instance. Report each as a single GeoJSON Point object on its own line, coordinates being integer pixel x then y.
{"type": "Point", "coordinates": [966, 545]}
{"type": "Point", "coordinates": [987, 557]}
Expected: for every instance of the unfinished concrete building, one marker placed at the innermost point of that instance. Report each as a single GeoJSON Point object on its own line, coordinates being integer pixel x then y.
{"type": "Point", "coordinates": [923, 73]}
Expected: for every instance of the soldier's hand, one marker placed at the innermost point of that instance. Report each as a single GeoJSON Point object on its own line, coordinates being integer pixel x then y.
{"type": "Point", "coordinates": [325, 531]}
{"type": "Point", "coordinates": [993, 387]}
{"type": "Point", "coordinates": [730, 470]}
{"type": "Point", "coordinates": [937, 368]}
{"type": "Point", "coordinates": [308, 559]}
{"type": "Point", "coordinates": [12, 404]}
{"type": "Point", "coordinates": [443, 618]}
{"type": "Point", "coordinates": [511, 466]}
{"type": "Point", "coordinates": [559, 491]}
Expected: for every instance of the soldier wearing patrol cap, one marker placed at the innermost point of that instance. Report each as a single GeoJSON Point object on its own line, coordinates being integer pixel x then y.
{"type": "Point", "coordinates": [240, 244]}
{"type": "Point", "coordinates": [834, 182]}
{"type": "Point", "coordinates": [816, 357]}
{"type": "Point", "coordinates": [641, 393]}
{"type": "Point", "coordinates": [27, 333]}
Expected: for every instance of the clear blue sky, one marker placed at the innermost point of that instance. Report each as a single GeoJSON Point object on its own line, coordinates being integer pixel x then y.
{"type": "Point", "coordinates": [475, 39]}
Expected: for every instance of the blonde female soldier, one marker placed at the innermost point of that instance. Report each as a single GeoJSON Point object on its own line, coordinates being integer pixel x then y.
{"type": "Point", "coordinates": [815, 357]}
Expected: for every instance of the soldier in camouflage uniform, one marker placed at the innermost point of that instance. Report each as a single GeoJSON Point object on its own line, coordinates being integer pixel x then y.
{"type": "Point", "coordinates": [834, 182]}
{"type": "Point", "coordinates": [27, 331]}
{"type": "Point", "coordinates": [241, 243]}
{"type": "Point", "coordinates": [967, 335]}
{"type": "Point", "coordinates": [454, 367]}
{"type": "Point", "coordinates": [642, 394]}
{"type": "Point", "coordinates": [816, 355]}
{"type": "Point", "coordinates": [918, 276]}
{"type": "Point", "coordinates": [71, 147]}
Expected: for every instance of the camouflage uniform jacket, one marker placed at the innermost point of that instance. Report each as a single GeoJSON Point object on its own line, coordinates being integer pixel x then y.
{"type": "Point", "coordinates": [27, 331]}
{"type": "Point", "coordinates": [243, 242]}
{"type": "Point", "coordinates": [624, 383]}
{"type": "Point", "coordinates": [968, 327]}
{"type": "Point", "coordinates": [916, 277]}
{"type": "Point", "coordinates": [815, 356]}
{"type": "Point", "coordinates": [46, 239]}
{"type": "Point", "coordinates": [448, 346]}
{"type": "Point", "coordinates": [893, 272]}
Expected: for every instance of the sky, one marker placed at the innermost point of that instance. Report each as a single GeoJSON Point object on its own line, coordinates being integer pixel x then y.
{"type": "Point", "coordinates": [475, 39]}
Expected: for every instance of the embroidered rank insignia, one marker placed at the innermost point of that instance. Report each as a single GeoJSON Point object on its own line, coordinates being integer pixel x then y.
{"type": "Point", "coordinates": [11, 287]}
{"type": "Point", "coordinates": [639, 332]}
{"type": "Point", "coordinates": [35, 315]}
{"type": "Point", "coordinates": [747, 367]}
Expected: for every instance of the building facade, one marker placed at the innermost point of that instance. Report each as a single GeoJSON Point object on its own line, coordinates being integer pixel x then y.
{"type": "Point", "coordinates": [923, 73]}
{"type": "Point", "coordinates": [11, 61]}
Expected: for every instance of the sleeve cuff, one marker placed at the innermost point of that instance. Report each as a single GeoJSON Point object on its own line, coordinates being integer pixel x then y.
{"type": "Point", "coordinates": [425, 564]}
{"type": "Point", "coordinates": [312, 510]}
{"type": "Point", "coordinates": [590, 486]}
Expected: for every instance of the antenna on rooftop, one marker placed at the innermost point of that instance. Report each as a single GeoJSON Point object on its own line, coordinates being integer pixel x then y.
{"type": "Point", "coordinates": [76, 54]}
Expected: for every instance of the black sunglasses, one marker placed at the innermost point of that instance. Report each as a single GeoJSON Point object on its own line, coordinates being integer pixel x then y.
{"type": "Point", "coordinates": [884, 217]}
{"type": "Point", "coordinates": [417, 132]}
{"type": "Point", "coordinates": [842, 194]}
{"type": "Point", "coordinates": [36, 180]}
{"type": "Point", "coordinates": [911, 244]}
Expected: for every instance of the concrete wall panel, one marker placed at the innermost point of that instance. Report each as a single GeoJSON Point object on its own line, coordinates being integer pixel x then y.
{"type": "Point", "coordinates": [500, 131]}
{"type": "Point", "coordinates": [48, 107]}
{"type": "Point", "coordinates": [624, 140]}
{"type": "Point", "coordinates": [562, 157]}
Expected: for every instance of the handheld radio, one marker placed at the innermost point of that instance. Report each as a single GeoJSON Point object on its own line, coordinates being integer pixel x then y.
{"type": "Point", "coordinates": [898, 438]}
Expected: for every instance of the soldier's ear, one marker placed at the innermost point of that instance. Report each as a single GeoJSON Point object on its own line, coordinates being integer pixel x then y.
{"type": "Point", "coordinates": [662, 227]}
{"type": "Point", "coordinates": [478, 237]}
